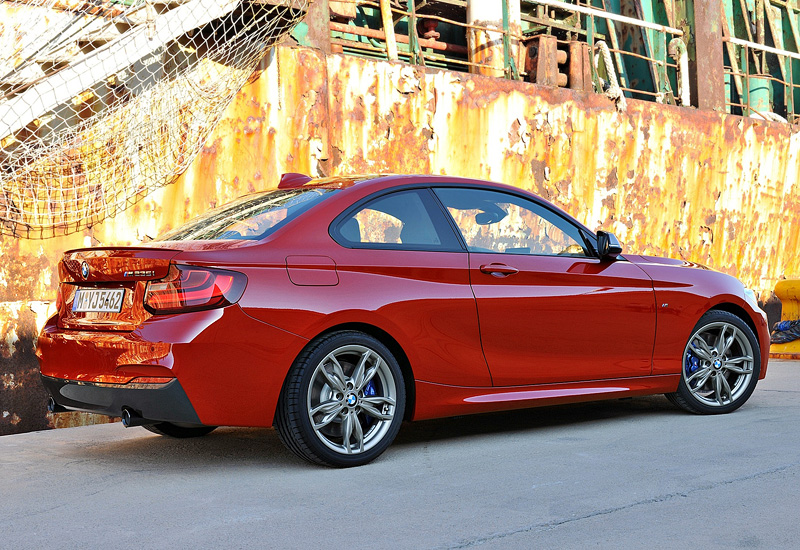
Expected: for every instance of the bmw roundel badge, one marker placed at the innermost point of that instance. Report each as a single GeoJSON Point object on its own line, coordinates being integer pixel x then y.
{"type": "Point", "coordinates": [85, 270]}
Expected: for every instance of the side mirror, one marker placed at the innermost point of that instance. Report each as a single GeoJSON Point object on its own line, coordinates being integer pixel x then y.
{"type": "Point", "coordinates": [492, 214]}
{"type": "Point", "coordinates": [487, 218]}
{"type": "Point", "coordinates": [608, 246]}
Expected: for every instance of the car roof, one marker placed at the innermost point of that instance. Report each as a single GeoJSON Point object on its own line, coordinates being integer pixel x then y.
{"type": "Point", "coordinates": [386, 181]}
{"type": "Point", "coordinates": [367, 184]}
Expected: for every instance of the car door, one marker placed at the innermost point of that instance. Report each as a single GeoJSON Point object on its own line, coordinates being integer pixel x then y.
{"type": "Point", "coordinates": [403, 262]}
{"type": "Point", "coordinates": [549, 309]}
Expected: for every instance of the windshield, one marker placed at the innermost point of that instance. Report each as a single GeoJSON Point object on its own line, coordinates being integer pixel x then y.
{"type": "Point", "coordinates": [251, 217]}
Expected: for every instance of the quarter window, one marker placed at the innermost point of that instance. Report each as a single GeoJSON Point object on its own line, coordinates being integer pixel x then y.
{"type": "Point", "coordinates": [405, 219]}
{"type": "Point", "coordinates": [492, 221]}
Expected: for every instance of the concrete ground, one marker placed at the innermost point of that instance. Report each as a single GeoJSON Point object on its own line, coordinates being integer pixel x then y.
{"type": "Point", "coordinates": [617, 474]}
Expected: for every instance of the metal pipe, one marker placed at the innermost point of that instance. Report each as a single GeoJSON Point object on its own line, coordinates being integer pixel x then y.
{"type": "Point", "coordinates": [388, 27]}
{"type": "Point", "coordinates": [762, 47]}
{"type": "Point", "coordinates": [497, 47]}
{"type": "Point", "coordinates": [486, 46]}
{"type": "Point", "coordinates": [413, 38]}
{"type": "Point", "coordinates": [606, 15]}
{"type": "Point", "coordinates": [401, 38]}
{"type": "Point", "coordinates": [510, 53]}
{"type": "Point", "coordinates": [516, 35]}
{"type": "Point", "coordinates": [428, 55]}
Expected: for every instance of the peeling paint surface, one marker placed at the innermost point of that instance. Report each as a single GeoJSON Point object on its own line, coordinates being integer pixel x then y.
{"type": "Point", "coordinates": [716, 189]}
{"type": "Point", "coordinates": [22, 396]}
{"type": "Point", "coordinates": [711, 188]}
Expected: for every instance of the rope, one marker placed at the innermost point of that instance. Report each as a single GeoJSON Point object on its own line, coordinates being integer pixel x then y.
{"type": "Point", "coordinates": [677, 51]}
{"type": "Point", "coordinates": [614, 92]}
{"type": "Point", "coordinates": [766, 115]}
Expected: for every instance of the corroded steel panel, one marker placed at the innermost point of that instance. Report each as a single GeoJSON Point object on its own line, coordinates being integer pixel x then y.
{"type": "Point", "coordinates": [709, 78]}
{"type": "Point", "coordinates": [716, 189]}
{"type": "Point", "coordinates": [21, 393]}
{"type": "Point", "coordinates": [712, 188]}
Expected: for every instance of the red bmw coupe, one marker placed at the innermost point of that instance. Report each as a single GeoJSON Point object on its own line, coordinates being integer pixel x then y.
{"type": "Point", "coordinates": [336, 308]}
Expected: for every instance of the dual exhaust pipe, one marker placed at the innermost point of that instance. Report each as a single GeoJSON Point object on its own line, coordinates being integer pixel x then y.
{"type": "Point", "coordinates": [130, 417]}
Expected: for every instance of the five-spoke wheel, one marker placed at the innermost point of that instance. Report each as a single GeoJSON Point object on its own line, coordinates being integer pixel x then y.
{"type": "Point", "coordinates": [343, 402]}
{"type": "Point", "coordinates": [720, 366]}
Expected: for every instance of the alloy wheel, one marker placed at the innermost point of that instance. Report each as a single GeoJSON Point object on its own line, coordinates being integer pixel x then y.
{"type": "Point", "coordinates": [352, 399]}
{"type": "Point", "coordinates": [718, 364]}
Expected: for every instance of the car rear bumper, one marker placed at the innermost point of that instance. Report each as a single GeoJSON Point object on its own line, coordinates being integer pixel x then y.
{"type": "Point", "coordinates": [228, 368]}
{"type": "Point", "coordinates": [159, 402]}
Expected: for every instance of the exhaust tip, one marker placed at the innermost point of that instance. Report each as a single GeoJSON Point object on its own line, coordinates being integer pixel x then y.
{"type": "Point", "coordinates": [131, 418]}
{"type": "Point", "coordinates": [53, 407]}
{"type": "Point", "coordinates": [126, 418]}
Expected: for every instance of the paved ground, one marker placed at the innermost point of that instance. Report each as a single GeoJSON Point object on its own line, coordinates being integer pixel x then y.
{"type": "Point", "coordinates": [619, 474]}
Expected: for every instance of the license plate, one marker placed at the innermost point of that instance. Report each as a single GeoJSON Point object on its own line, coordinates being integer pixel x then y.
{"type": "Point", "coordinates": [97, 299]}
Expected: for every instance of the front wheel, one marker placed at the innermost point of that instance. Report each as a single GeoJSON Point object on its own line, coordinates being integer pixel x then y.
{"type": "Point", "coordinates": [343, 401]}
{"type": "Point", "coordinates": [720, 367]}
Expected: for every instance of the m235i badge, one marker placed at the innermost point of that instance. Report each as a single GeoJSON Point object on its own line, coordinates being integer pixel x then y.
{"type": "Point", "coordinates": [140, 273]}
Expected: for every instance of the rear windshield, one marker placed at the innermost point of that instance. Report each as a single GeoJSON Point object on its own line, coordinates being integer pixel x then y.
{"type": "Point", "coordinates": [250, 217]}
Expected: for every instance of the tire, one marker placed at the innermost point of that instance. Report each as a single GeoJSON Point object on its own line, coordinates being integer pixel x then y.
{"type": "Point", "coordinates": [719, 367]}
{"type": "Point", "coordinates": [343, 401]}
{"type": "Point", "coordinates": [179, 430]}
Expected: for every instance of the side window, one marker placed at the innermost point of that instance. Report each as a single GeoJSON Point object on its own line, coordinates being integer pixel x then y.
{"type": "Point", "coordinates": [404, 220]}
{"type": "Point", "coordinates": [492, 221]}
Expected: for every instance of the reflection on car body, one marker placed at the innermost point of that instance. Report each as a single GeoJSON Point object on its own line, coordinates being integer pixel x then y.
{"type": "Point", "coordinates": [336, 308]}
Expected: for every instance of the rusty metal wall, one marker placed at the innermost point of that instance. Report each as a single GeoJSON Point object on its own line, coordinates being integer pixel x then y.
{"type": "Point", "coordinates": [708, 187]}
{"type": "Point", "coordinates": [717, 189]}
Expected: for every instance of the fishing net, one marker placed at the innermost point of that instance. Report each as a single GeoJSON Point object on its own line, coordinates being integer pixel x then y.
{"type": "Point", "coordinates": [104, 101]}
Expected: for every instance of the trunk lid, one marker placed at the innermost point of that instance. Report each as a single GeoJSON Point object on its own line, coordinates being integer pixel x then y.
{"type": "Point", "coordinates": [117, 274]}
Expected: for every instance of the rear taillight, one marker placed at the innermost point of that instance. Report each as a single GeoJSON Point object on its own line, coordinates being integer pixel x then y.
{"type": "Point", "coordinates": [59, 298]}
{"type": "Point", "coordinates": [190, 288]}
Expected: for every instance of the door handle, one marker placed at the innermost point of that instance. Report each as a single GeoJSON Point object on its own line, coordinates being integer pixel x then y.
{"type": "Point", "coordinates": [498, 270]}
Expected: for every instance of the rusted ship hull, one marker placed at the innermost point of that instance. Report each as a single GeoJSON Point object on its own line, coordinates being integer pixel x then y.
{"type": "Point", "coordinates": [708, 187]}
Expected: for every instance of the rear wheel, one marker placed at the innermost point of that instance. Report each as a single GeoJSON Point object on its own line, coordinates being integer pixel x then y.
{"type": "Point", "coordinates": [179, 430]}
{"type": "Point", "coordinates": [343, 401]}
{"type": "Point", "coordinates": [720, 367]}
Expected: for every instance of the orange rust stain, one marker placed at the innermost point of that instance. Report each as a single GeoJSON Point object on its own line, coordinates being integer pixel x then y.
{"type": "Point", "coordinates": [706, 182]}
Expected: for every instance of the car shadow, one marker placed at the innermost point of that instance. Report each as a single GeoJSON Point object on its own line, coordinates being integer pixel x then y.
{"type": "Point", "coordinates": [260, 448]}
{"type": "Point", "coordinates": [534, 419]}
{"type": "Point", "coordinates": [225, 447]}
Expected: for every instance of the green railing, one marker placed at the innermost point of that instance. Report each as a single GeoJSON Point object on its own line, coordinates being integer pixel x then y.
{"type": "Point", "coordinates": [366, 35]}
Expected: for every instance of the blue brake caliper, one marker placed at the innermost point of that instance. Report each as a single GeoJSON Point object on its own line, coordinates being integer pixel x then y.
{"type": "Point", "coordinates": [692, 364]}
{"type": "Point", "coordinates": [369, 391]}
